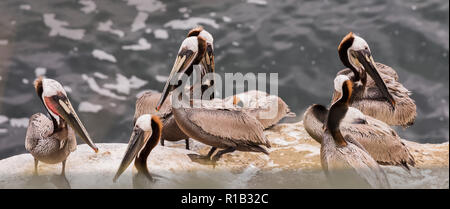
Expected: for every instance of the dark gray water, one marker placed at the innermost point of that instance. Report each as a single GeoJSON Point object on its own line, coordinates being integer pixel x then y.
{"type": "Point", "coordinates": [297, 39]}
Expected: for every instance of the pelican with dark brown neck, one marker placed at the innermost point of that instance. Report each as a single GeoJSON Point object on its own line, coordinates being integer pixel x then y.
{"type": "Point", "coordinates": [379, 95]}
{"type": "Point", "coordinates": [145, 136]}
{"type": "Point", "coordinates": [344, 160]}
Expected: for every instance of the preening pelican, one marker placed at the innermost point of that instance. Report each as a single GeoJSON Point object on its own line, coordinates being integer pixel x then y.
{"type": "Point", "coordinates": [51, 140]}
{"type": "Point", "coordinates": [344, 160]}
{"type": "Point", "coordinates": [192, 52]}
{"type": "Point", "coordinates": [380, 95]}
{"type": "Point", "coordinates": [380, 140]}
{"type": "Point", "coordinates": [208, 58]}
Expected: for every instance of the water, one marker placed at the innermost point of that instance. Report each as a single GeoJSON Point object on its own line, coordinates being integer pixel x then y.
{"type": "Point", "coordinates": [297, 39]}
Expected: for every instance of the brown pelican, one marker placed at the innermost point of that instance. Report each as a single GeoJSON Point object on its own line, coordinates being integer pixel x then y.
{"type": "Point", "coordinates": [208, 58]}
{"type": "Point", "coordinates": [344, 160]}
{"type": "Point", "coordinates": [380, 140]}
{"type": "Point", "coordinates": [268, 109]}
{"type": "Point", "coordinates": [192, 52]}
{"type": "Point", "coordinates": [380, 95]}
{"type": "Point", "coordinates": [51, 140]}
{"type": "Point", "coordinates": [146, 104]}
{"type": "Point", "coordinates": [145, 136]}
{"type": "Point", "coordinates": [226, 128]}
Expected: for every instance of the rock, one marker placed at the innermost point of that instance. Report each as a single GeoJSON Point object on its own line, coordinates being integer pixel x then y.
{"type": "Point", "coordinates": [293, 162]}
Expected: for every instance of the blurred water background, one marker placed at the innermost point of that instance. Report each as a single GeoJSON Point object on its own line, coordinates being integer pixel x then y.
{"type": "Point", "coordinates": [105, 52]}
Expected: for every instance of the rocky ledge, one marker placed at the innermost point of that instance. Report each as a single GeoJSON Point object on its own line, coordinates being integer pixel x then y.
{"type": "Point", "coordinates": [294, 162]}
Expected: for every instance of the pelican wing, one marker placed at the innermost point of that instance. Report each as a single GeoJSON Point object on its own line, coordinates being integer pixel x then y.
{"type": "Point", "coordinates": [386, 70]}
{"type": "Point", "coordinates": [229, 124]}
{"type": "Point", "coordinates": [370, 170]}
{"type": "Point", "coordinates": [381, 141]}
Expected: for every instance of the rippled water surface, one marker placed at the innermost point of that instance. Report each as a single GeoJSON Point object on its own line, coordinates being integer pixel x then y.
{"type": "Point", "coordinates": [105, 52]}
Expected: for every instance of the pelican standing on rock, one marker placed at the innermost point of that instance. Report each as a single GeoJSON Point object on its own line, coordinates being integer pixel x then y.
{"type": "Point", "coordinates": [51, 140]}
{"type": "Point", "coordinates": [380, 140]}
{"type": "Point", "coordinates": [226, 128]}
{"type": "Point", "coordinates": [345, 161]}
{"type": "Point", "coordinates": [146, 104]}
{"type": "Point", "coordinates": [380, 95]}
{"type": "Point", "coordinates": [146, 134]}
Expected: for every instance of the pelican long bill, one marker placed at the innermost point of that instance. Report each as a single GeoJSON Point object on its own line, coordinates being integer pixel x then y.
{"type": "Point", "coordinates": [62, 106]}
{"type": "Point", "coordinates": [137, 141]}
{"type": "Point", "coordinates": [366, 60]}
{"type": "Point", "coordinates": [183, 61]}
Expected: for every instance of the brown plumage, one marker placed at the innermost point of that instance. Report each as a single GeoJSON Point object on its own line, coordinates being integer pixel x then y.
{"type": "Point", "coordinates": [208, 64]}
{"type": "Point", "coordinates": [52, 139]}
{"type": "Point", "coordinates": [370, 101]}
{"type": "Point", "coordinates": [344, 160]}
{"type": "Point", "coordinates": [229, 129]}
{"type": "Point", "coordinates": [379, 95]}
{"type": "Point", "coordinates": [46, 144]}
{"type": "Point", "coordinates": [195, 31]}
{"type": "Point", "coordinates": [380, 140]}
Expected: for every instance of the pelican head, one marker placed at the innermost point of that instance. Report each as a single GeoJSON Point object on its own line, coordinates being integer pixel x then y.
{"type": "Point", "coordinates": [145, 136]}
{"type": "Point", "coordinates": [55, 100]}
{"type": "Point", "coordinates": [190, 53]}
{"type": "Point", "coordinates": [199, 31]}
{"type": "Point", "coordinates": [341, 83]}
{"type": "Point", "coordinates": [355, 54]}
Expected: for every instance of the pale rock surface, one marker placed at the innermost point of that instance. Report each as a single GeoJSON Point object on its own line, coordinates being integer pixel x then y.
{"type": "Point", "coordinates": [293, 162]}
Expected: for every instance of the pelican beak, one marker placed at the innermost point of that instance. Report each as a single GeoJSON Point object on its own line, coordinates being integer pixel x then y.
{"type": "Point", "coordinates": [61, 105]}
{"type": "Point", "coordinates": [137, 141]}
{"type": "Point", "coordinates": [182, 63]}
{"type": "Point", "coordinates": [365, 58]}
